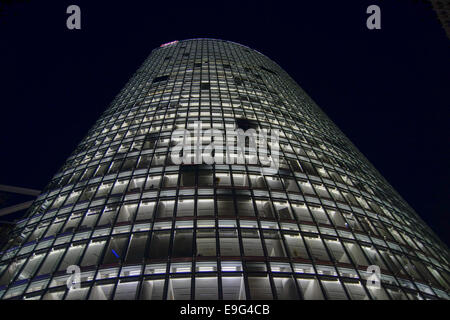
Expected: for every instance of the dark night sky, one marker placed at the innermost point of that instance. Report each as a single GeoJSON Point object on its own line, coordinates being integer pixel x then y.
{"type": "Point", "coordinates": [387, 90]}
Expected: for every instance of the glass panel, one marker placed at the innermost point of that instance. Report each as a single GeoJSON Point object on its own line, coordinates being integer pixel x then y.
{"type": "Point", "coordinates": [136, 248]}
{"type": "Point", "coordinates": [206, 288]}
{"type": "Point", "coordinates": [115, 251]}
{"type": "Point", "coordinates": [260, 288]}
{"type": "Point", "coordinates": [310, 288]}
{"type": "Point", "coordinates": [159, 245]}
{"type": "Point", "coordinates": [274, 244]}
{"type": "Point", "coordinates": [182, 245]}
{"type": "Point", "coordinates": [145, 210]}
{"type": "Point", "coordinates": [295, 245]}
{"type": "Point", "coordinates": [337, 251]}
{"type": "Point", "coordinates": [31, 266]}
{"type": "Point", "coordinates": [233, 288]}
{"type": "Point", "coordinates": [317, 248]}
{"type": "Point", "coordinates": [179, 289]}
{"type": "Point", "coordinates": [93, 253]}
{"type": "Point", "coordinates": [334, 290]}
{"type": "Point", "coordinates": [225, 207]}
{"type": "Point", "coordinates": [252, 242]}
{"type": "Point", "coordinates": [356, 291]}
{"type": "Point", "coordinates": [229, 243]}
{"type": "Point", "coordinates": [206, 242]}
{"type": "Point", "coordinates": [126, 290]}
{"type": "Point", "coordinates": [72, 256]}
{"type": "Point", "coordinates": [77, 294]}
{"type": "Point", "coordinates": [205, 207]}
{"type": "Point", "coordinates": [101, 292]}
{"type": "Point", "coordinates": [286, 289]}
{"type": "Point", "coordinates": [51, 261]}
{"type": "Point", "coordinates": [185, 207]}
{"type": "Point", "coordinates": [152, 290]}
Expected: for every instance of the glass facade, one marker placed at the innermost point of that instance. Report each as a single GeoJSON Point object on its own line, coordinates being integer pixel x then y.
{"type": "Point", "coordinates": [140, 226]}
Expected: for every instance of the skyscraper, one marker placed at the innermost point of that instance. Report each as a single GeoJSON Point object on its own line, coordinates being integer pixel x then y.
{"type": "Point", "coordinates": [307, 218]}
{"type": "Point", "coordinates": [442, 8]}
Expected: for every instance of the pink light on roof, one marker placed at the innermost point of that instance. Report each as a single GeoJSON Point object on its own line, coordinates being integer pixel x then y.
{"type": "Point", "coordinates": [168, 43]}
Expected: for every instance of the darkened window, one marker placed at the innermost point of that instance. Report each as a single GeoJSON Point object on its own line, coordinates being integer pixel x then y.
{"type": "Point", "coordinates": [197, 65]}
{"type": "Point", "coordinates": [159, 245]}
{"type": "Point", "coordinates": [268, 70]}
{"type": "Point", "coordinates": [150, 140]}
{"type": "Point", "coordinates": [204, 86]}
{"type": "Point", "coordinates": [238, 81]}
{"type": "Point", "coordinates": [226, 66]}
{"type": "Point", "coordinates": [182, 244]}
{"type": "Point", "coordinates": [246, 124]}
{"type": "Point", "coordinates": [161, 78]}
{"type": "Point", "coordinates": [309, 168]}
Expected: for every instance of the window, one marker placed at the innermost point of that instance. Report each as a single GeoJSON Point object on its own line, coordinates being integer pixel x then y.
{"type": "Point", "coordinates": [284, 212]}
{"type": "Point", "coordinates": [274, 244]}
{"type": "Point", "coordinates": [93, 253]}
{"type": "Point", "coordinates": [126, 290]}
{"type": "Point", "coordinates": [77, 294]}
{"type": "Point", "coordinates": [204, 86]}
{"type": "Point", "coordinates": [206, 242]}
{"type": "Point", "coordinates": [225, 206]}
{"type": "Point", "coordinates": [251, 242]}
{"type": "Point", "coordinates": [285, 287]}
{"type": "Point", "coordinates": [145, 210]}
{"type": "Point", "coordinates": [356, 291]}
{"type": "Point", "coordinates": [165, 209]}
{"type": "Point", "coordinates": [109, 215]}
{"type": "Point", "coordinates": [159, 245]}
{"type": "Point", "coordinates": [185, 207]}
{"type": "Point", "coordinates": [152, 290]}
{"type": "Point", "coordinates": [182, 246]}
{"type": "Point", "coordinates": [260, 288]}
{"type": "Point", "coordinates": [206, 288]}
{"type": "Point", "coordinates": [72, 256]}
{"type": "Point", "coordinates": [229, 243]}
{"type": "Point", "coordinates": [31, 266]}
{"type": "Point", "coordinates": [245, 206]}
{"type": "Point", "coordinates": [337, 251]}
{"type": "Point", "coordinates": [317, 248]}
{"type": "Point", "coordinates": [101, 291]}
{"type": "Point", "coordinates": [51, 261]}
{"type": "Point", "coordinates": [302, 212]}
{"type": "Point", "coordinates": [295, 245]}
{"type": "Point", "coordinates": [334, 289]}
{"type": "Point", "coordinates": [233, 288]}
{"type": "Point", "coordinates": [127, 212]}
{"type": "Point", "coordinates": [161, 78]}
{"type": "Point", "coordinates": [310, 288]}
{"type": "Point", "coordinates": [205, 207]}
{"type": "Point", "coordinates": [53, 295]}
{"type": "Point", "coordinates": [264, 208]}
{"type": "Point", "coordinates": [179, 289]}
{"type": "Point", "coordinates": [136, 248]}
